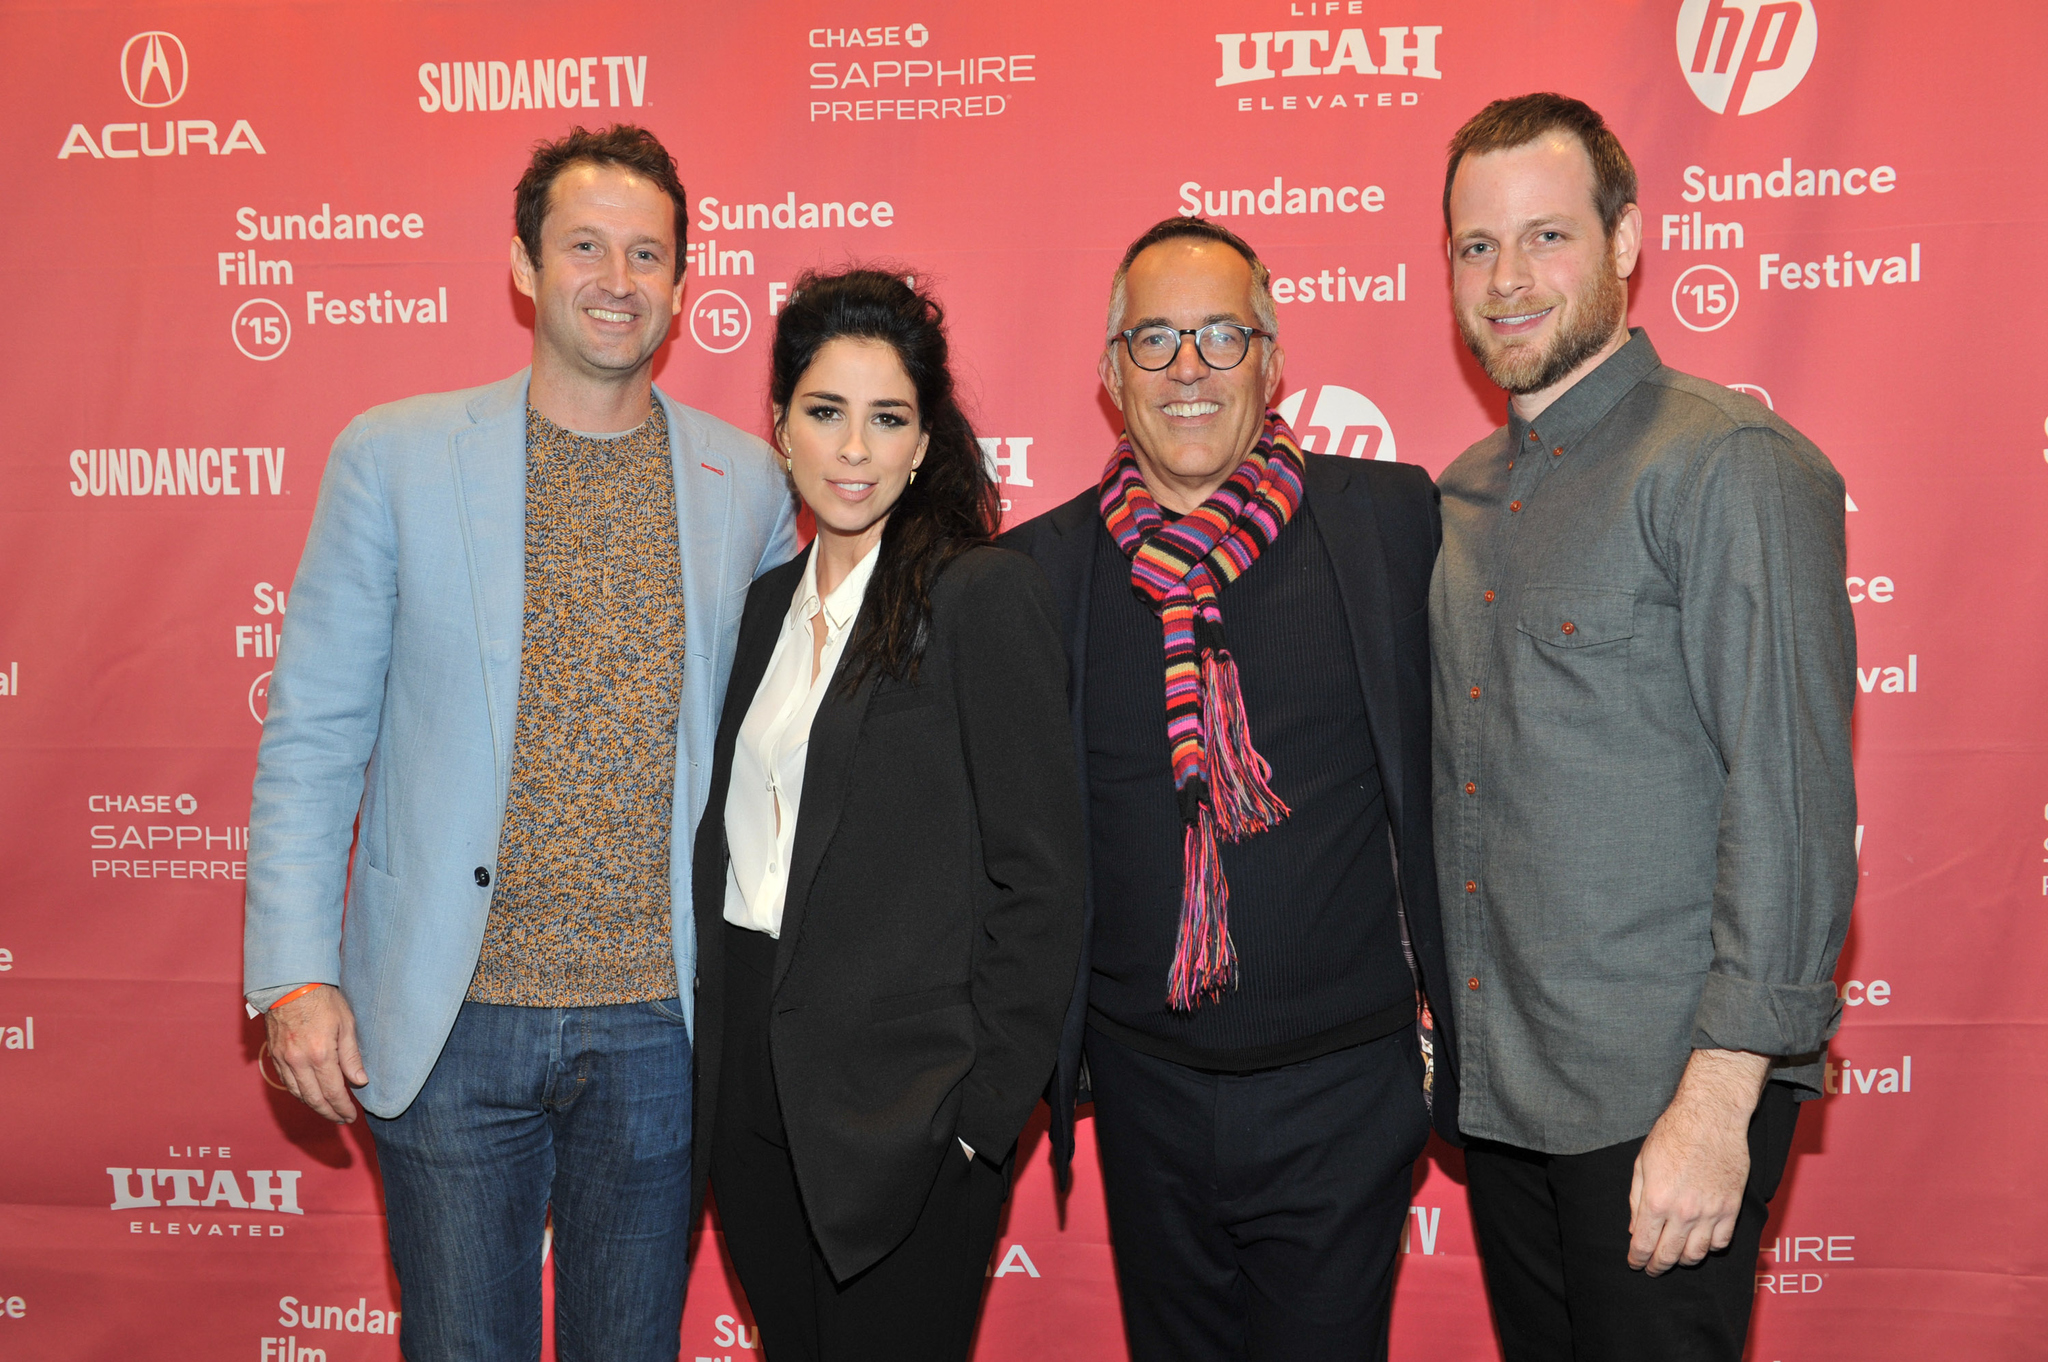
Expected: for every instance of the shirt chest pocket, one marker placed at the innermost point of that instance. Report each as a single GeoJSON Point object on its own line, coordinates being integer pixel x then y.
{"type": "Point", "coordinates": [1571, 659]}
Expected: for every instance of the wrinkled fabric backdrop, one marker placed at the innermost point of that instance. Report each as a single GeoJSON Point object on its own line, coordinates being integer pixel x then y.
{"type": "Point", "coordinates": [229, 227]}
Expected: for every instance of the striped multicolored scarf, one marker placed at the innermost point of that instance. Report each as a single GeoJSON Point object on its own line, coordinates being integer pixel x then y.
{"type": "Point", "coordinates": [1218, 777]}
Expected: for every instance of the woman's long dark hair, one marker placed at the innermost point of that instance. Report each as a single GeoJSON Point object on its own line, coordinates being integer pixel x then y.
{"type": "Point", "coordinates": [951, 507]}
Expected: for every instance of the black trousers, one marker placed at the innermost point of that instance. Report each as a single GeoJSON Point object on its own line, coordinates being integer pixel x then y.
{"type": "Point", "coordinates": [1553, 1240]}
{"type": "Point", "coordinates": [1258, 1215]}
{"type": "Point", "coordinates": [919, 1303]}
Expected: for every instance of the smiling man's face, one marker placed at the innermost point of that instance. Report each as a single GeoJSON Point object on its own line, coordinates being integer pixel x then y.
{"type": "Point", "coordinates": [1537, 282]}
{"type": "Point", "coordinates": [1190, 425]}
{"type": "Point", "coordinates": [606, 285]}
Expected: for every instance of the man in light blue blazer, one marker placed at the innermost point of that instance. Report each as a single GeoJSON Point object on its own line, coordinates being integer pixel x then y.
{"type": "Point", "coordinates": [487, 751]}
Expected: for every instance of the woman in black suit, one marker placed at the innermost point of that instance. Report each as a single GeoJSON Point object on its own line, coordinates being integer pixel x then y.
{"type": "Point", "coordinates": [888, 877]}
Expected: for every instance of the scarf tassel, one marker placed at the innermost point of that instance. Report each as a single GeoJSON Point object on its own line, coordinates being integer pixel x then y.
{"type": "Point", "coordinates": [1238, 790]}
{"type": "Point", "coordinates": [1204, 960]}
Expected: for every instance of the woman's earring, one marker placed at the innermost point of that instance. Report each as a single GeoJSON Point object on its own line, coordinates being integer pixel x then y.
{"type": "Point", "coordinates": [913, 475]}
{"type": "Point", "coordinates": [788, 464]}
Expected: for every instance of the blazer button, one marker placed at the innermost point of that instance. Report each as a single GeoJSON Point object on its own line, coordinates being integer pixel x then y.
{"type": "Point", "coordinates": [483, 878]}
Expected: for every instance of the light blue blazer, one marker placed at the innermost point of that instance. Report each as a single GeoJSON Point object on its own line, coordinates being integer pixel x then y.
{"type": "Point", "coordinates": [397, 680]}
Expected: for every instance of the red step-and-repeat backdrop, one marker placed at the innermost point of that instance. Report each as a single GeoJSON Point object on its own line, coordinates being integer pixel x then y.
{"type": "Point", "coordinates": [228, 227]}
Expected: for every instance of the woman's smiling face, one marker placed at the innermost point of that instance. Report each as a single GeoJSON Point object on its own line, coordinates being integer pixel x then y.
{"type": "Point", "coordinates": [853, 436]}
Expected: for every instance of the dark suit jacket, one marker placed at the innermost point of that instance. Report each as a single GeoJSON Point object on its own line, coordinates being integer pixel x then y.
{"type": "Point", "coordinates": [933, 916]}
{"type": "Point", "coordinates": [1380, 524]}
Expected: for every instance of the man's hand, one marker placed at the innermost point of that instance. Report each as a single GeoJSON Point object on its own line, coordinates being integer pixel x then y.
{"type": "Point", "coordinates": [1694, 1163]}
{"type": "Point", "coordinates": [313, 1044]}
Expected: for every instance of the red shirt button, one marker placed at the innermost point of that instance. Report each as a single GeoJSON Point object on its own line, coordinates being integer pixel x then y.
{"type": "Point", "coordinates": [1473, 983]}
{"type": "Point", "coordinates": [1471, 886]}
{"type": "Point", "coordinates": [1489, 598]}
{"type": "Point", "coordinates": [1471, 788]}
{"type": "Point", "coordinates": [1532, 435]}
{"type": "Point", "coordinates": [1569, 628]}
{"type": "Point", "coordinates": [1475, 692]}
{"type": "Point", "coordinates": [1514, 506]}
{"type": "Point", "coordinates": [1558, 452]}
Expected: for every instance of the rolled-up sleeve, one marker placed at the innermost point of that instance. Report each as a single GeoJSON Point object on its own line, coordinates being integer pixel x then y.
{"type": "Point", "coordinates": [1770, 659]}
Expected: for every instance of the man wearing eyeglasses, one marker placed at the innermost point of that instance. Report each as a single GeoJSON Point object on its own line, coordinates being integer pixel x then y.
{"type": "Point", "coordinates": [1248, 648]}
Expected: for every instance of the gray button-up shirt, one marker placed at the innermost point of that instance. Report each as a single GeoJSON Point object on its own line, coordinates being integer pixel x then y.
{"type": "Point", "coordinates": [1645, 815]}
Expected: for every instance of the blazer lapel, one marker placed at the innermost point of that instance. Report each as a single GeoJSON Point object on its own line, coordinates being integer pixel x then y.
{"type": "Point", "coordinates": [828, 770]}
{"type": "Point", "coordinates": [760, 625]}
{"type": "Point", "coordinates": [1346, 519]}
{"type": "Point", "coordinates": [1070, 570]}
{"type": "Point", "coordinates": [489, 459]}
{"type": "Point", "coordinates": [704, 493]}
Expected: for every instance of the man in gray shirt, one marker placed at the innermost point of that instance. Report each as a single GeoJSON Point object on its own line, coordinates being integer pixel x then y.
{"type": "Point", "coordinates": [1645, 815]}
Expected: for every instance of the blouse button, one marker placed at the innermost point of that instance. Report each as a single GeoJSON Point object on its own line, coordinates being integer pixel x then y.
{"type": "Point", "coordinates": [1569, 627]}
{"type": "Point", "coordinates": [1514, 506]}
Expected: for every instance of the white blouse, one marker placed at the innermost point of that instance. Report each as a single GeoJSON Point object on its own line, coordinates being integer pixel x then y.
{"type": "Point", "coordinates": [768, 760]}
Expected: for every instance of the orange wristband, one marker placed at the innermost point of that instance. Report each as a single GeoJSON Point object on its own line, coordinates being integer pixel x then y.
{"type": "Point", "coordinates": [301, 991]}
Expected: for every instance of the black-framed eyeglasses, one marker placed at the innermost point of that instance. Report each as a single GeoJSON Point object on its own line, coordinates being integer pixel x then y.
{"type": "Point", "coordinates": [1222, 345]}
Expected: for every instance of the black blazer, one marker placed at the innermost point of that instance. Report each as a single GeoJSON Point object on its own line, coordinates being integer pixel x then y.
{"type": "Point", "coordinates": [933, 917]}
{"type": "Point", "coordinates": [1381, 526]}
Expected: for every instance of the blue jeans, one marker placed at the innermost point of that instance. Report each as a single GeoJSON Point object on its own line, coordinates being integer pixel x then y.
{"type": "Point", "coordinates": [582, 1109]}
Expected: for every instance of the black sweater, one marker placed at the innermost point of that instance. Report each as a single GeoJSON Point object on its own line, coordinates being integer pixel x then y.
{"type": "Point", "coordinates": [1312, 904]}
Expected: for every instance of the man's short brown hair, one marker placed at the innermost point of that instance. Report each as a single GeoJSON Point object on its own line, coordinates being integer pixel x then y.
{"type": "Point", "coordinates": [622, 145]}
{"type": "Point", "coordinates": [1516, 122]}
